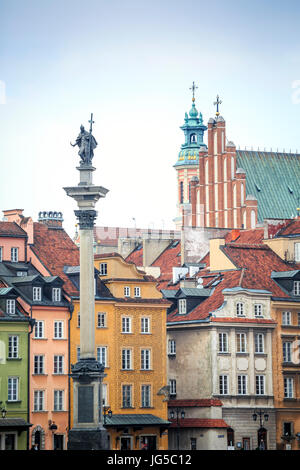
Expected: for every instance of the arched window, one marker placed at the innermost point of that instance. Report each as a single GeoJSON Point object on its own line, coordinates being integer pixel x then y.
{"type": "Point", "coordinates": [253, 219]}
{"type": "Point", "coordinates": [234, 195]}
{"type": "Point", "coordinates": [242, 194]}
{"type": "Point", "coordinates": [181, 192]}
{"type": "Point", "coordinates": [230, 437]}
{"type": "Point", "coordinates": [225, 169]}
{"type": "Point", "coordinates": [232, 168]}
{"type": "Point", "coordinates": [206, 172]}
{"type": "Point", "coordinates": [193, 138]}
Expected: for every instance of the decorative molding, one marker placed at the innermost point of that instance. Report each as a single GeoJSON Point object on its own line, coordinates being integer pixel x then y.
{"type": "Point", "coordinates": [86, 218]}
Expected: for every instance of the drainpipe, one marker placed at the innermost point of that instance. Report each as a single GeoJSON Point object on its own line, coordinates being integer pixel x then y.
{"type": "Point", "coordinates": [71, 309]}
{"type": "Point", "coordinates": [31, 323]}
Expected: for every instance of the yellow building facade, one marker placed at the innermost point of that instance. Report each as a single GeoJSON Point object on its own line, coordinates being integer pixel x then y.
{"type": "Point", "coordinates": [130, 340]}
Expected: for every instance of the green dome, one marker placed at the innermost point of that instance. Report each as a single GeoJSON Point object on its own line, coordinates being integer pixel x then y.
{"type": "Point", "coordinates": [193, 112]}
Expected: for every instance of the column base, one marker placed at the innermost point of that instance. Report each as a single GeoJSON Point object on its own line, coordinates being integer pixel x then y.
{"type": "Point", "coordinates": [88, 439]}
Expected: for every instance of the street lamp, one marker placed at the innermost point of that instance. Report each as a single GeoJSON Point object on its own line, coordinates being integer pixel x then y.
{"type": "Point", "coordinates": [172, 416]}
{"type": "Point", "coordinates": [263, 417]}
{"type": "Point", "coordinates": [107, 412]}
{"type": "Point", "coordinates": [3, 412]}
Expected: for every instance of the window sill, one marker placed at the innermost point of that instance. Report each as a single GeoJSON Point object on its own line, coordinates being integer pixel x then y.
{"type": "Point", "coordinates": [60, 339]}
{"type": "Point", "coordinates": [127, 408]}
{"type": "Point", "coordinates": [59, 373]}
{"type": "Point", "coordinates": [146, 370]}
{"type": "Point", "coordinates": [101, 327]}
{"type": "Point", "coordinates": [262, 354]}
{"type": "Point", "coordinates": [146, 407]}
{"type": "Point", "coordinates": [44, 375]}
{"type": "Point", "coordinates": [224, 353]}
{"type": "Point", "coordinates": [242, 354]}
{"type": "Point", "coordinates": [39, 411]}
{"type": "Point", "coordinates": [126, 370]}
{"type": "Point", "coordinates": [14, 359]}
{"type": "Point", "coordinates": [290, 399]}
{"type": "Point", "coordinates": [45, 339]}
{"type": "Point", "coordinates": [59, 411]}
{"type": "Point", "coordinates": [13, 401]}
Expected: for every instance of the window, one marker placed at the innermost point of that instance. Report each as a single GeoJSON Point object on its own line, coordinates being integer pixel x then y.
{"type": "Point", "coordinates": [39, 329]}
{"type": "Point", "coordinates": [193, 138]}
{"type": "Point", "coordinates": [259, 342]}
{"type": "Point", "coordinates": [223, 385]}
{"type": "Point", "coordinates": [145, 325]}
{"type": "Point", "coordinates": [38, 364]}
{"type": "Point", "coordinates": [56, 294]}
{"type": "Point", "coordinates": [296, 288]}
{"type": "Point", "coordinates": [286, 318]}
{"type": "Point", "coordinates": [182, 306]}
{"type": "Point", "coordinates": [287, 351]}
{"type": "Point", "coordinates": [58, 365]}
{"type": "Point", "coordinates": [126, 291]}
{"type": "Point", "coordinates": [127, 396]}
{"type": "Point", "coordinates": [242, 384]}
{"type": "Point", "coordinates": [21, 273]}
{"type": "Point", "coordinates": [145, 359]}
{"type": "Point", "coordinates": [172, 347]}
{"type": "Point", "coordinates": [146, 396]}
{"type": "Point", "coordinates": [223, 342]}
{"type": "Point", "coordinates": [78, 319]}
{"type": "Point", "coordinates": [58, 329]}
{"type": "Point", "coordinates": [102, 355]}
{"type": "Point", "coordinates": [126, 359]}
{"type": "Point", "coordinates": [193, 443]}
{"type": "Point", "coordinates": [172, 385]}
{"type": "Point", "coordinates": [101, 320]}
{"type": "Point", "coordinates": [14, 255]}
{"type": "Point", "coordinates": [10, 306]}
{"type": "Point", "coordinates": [126, 324]}
{"type": "Point", "coordinates": [78, 353]}
{"type": "Point", "coordinates": [287, 429]}
{"type": "Point", "coordinates": [13, 392]}
{"type": "Point", "coordinates": [1, 253]}
{"type": "Point", "coordinates": [181, 192]}
{"type": "Point", "coordinates": [39, 400]}
{"type": "Point", "coordinates": [103, 269]}
{"type": "Point", "coordinates": [13, 347]}
{"type": "Point", "coordinates": [37, 293]}
{"type": "Point", "coordinates": [260, 384]}
{"type": "Point", "coordinates": [258, 310]}
{"type": "Point", "coordinates": [241, 344]}
{"type": "Point", "coordinates": [288, 387]}
{"type": "Point", "coordinates": [297, 252]}
{"type": "Point", "coordinates": [137, 292]}
{"type": "Point", "coordinates": [104, 394]}
{"type": "Point", "coordinates": [240, 309]}
{"type": "Point", "coordinates": [58, 400]}
{"type": "Point", "coordinates": [298, 318]}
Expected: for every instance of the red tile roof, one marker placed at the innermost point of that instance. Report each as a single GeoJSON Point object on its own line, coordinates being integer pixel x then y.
{"type": "Point", "coordinates": [136, 257]}
{"type": "Point", "coordinates": [11, 229]}
{"type": "Point", "coordinates": [242, 320]}
{"type": "Point", "coordinates": [199, 423]}
{"type": "Point", "coordinates": [167, 260]}
{"type": "Point", "coordinates": [253, 236]}
{"type": "Point", "coordinates": [55, 249]}
{"type": "Point", "coordinates": [292, 228]}
{"type": "Point", "coordinates": [205, 402]}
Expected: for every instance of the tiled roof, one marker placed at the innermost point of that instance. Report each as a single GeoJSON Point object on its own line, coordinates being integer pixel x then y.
{"type": "Point", "coordinates": [292, 228]}
{"type": "Point", "coordinates": [242, 320]}
{"type": "Point", "coordinates": [136, 256]}
{"type": "Point", "coordinates": [55, 249]}
{"type": "Point", "coordinates": [253, 236]}
{"type": "Point", "coordinates": [276, 196]}
{"type": "Point", "coordinates": [199, 423]}
{"type": "Point", "coordinates": [135, 419]}
{"type": "Point", "coordinates": [168, 259]}
{"type": "Point", "coordinates": [203, 402]}
{"type": "Point", "coordinates": [11, 229]}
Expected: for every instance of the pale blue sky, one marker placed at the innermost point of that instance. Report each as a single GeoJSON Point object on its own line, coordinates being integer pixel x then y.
{"type": "Point", "coordinates": [131, 63]}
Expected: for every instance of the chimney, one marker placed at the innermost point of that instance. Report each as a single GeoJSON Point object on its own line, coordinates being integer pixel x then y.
{"type": "Point", "coordinates": [52, 219]}
{"type": "Point", "coordinates": [12, 215]}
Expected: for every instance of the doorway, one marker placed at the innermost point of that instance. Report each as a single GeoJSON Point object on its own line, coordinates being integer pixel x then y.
{"type": "Point", "coordinates": [148, 442]}
{"type": "Point", "coordinates": [262, 439]}
{"type": "Point", "coordinates": [58, 442]}
{"type": "Point", "coordinates": [125, 443]}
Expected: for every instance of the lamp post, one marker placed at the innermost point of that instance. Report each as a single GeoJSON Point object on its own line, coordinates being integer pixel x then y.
{"type": "Point", "coordinates": [106, 412]}
{"type": "Point", "coordinates": [263, 417]}
{"type": "Point", "coordinates": [3, 412]}
{"type": "Point", "coordinates": [178, 412]}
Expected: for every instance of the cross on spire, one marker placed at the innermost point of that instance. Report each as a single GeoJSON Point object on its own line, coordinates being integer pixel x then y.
{"type": "Point", "coordinates": [91, 123]}
{"type": "Point", "coordinates": [217, 103]}
{"type": "Point", "coordinates": [193, 88]}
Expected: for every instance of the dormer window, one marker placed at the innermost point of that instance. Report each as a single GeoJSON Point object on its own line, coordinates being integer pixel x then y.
{"type": "Point", "coordinates": [14, 255]}
{"type": "Point", "coordinates": [103, 269]}
{"type": "Point", "coordinates": [37, 293]}
{"type": "Point", "coordinates": [182, 306]}
{"type": "Point", "coordinates": [296, 288]}
{"type": "Point", "coordinates": [11, 306]}
{"type": "Point", "coordinates": [240, 309]}
{"type": "Point", "coordinates": [193, 139]}
{"type": "Point", "coordinates": [137, 292]}
{"type": "Point", "coordinates": [56, 294]}
{"type": "Point", "coordinates": [258, 310]}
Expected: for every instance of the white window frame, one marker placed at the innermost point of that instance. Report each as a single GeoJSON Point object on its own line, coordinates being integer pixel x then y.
{"type": "Point", "coordinates": [287, 351]}
{"type": "Point", "coordinates": [296, 288]}
{"type": "Point", "coordinates": [258, 310]}
{"type": "Point", "coordinates": [297, 252]}
{"type": "Point", "coordinates": [172, 347]}
{"type": "Point", "coordinates": [13, 347]}
{"type": "Point", "coordinates": [126, 359]}
{"type": "Point", "coordinates": [1, 253]}
{"type": "Point", "coordinates": [182, 306]}
{"type": "Point", "coordinates": [103, 269]}
{"type": "Point", "coordinates": [58, 364]}
{"type": "Point", "coordinates": [286, 318]}
{"type": "Point", "coordinates": [39, 329]}
{"type": "Point", "coordinates": [223, 342]}
{"type": "Point", "coordinates": [126, 396]}
{"type": "Point", "coordinates": [78, 353]}
{"type": "Point", "coordinates": [223, 384]}
{"type": "Point", "coordinates": [145, 359]}
{"type": "Point", "coordinates": [39, 400]}
{"type": "Point", "coordinates": [126, 291]}
{"type": "Point", "coordinates": [172, 385]}
{"type": "Point", "coordinates": [36, 294]}
{"type": "Point", "coordinates": [240, 309]}
{"type": "Point", "coordinates": [260, 384]}
{"type": "Point", "coordinates": [241, 342]}
{"type": "Point", "coordinates": [13, 389]}
{"type": "Point", "coordinates": [56, 294]}
{"type": "Point", "coordinates": [126, 325]}
{"type": "Point", "coordinates": [288, 387]}
{"type": "Point", "coordinates": [39, 364]}
{"type": "Point", "coordinates": [14, 254]}
{"type": "Point", "coordinates": [105, 394]}
{"type": "Point", "coordinates": [146, 396]}
{"type": "Point", "coordinates": [242, 384]}
{"type": "Point", "coordinates": [137, 292]}
{"type": "Point", "coordinates": [101, 320]}
{"type": "Point", "coordinates": [58, 400]}
{"type": "Point", "coordinates": [259, 340]}
{"type": "Point", "coordinates": [58, 329]}
{"type": "Point", "coordinates": [102, 355]}
{"type": "Point", "coordinates": [10, 306]}
{"type": "Point", "coordinates": [145, 325]}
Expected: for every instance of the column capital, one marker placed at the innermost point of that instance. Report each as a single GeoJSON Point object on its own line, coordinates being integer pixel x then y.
{"type": "Point", "coordinates": [86, 218]}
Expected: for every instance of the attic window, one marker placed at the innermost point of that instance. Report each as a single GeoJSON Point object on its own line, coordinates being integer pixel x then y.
{"type": "Point", "coordinates": [182, 306]}
{"type": "Point", "coordinates": [21, 273]}
{"type": "Point", "coordinates": [56, 294]}
{"type": "Point", "coordinates": [103, 269]}
{"type": "Point", "coordinates": [11, 306]}
{"type": "Point", "coordinates": [296, 288]}
{"type": "Point", "coordinates": [240, 309]}
{"type": "Point", "coordinates": [37, 293]}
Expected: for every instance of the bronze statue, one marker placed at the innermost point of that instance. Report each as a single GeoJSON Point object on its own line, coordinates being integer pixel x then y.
{"type": "Point", "coordinates": [86, 143]}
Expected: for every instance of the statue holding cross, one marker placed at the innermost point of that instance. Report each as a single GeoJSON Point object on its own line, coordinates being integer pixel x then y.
{"type": "Point", "coordinates": [86, 143]}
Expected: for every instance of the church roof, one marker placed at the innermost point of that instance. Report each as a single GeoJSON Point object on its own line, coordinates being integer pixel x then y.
{"type": "Point", "coordinates": [276, 195]}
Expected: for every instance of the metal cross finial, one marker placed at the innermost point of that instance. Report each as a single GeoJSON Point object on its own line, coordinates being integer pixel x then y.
{"type": "Point", "coordinates": [193, 88]}
{"type": "Point", "coordinates": [217, 103]}
{"type": "Point", "coordinates": [91, 123]}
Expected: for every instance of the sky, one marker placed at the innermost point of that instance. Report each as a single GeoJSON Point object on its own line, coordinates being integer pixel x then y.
{"type": "Point", "coordinates": [131, 63]}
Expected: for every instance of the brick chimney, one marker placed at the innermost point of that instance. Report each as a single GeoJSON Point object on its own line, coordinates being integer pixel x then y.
{"type": "Point", "coordinates": [52, 219]}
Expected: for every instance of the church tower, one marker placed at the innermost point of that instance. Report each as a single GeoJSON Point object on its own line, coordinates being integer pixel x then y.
{"type": "Point", "coordinates": [187, 165]}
